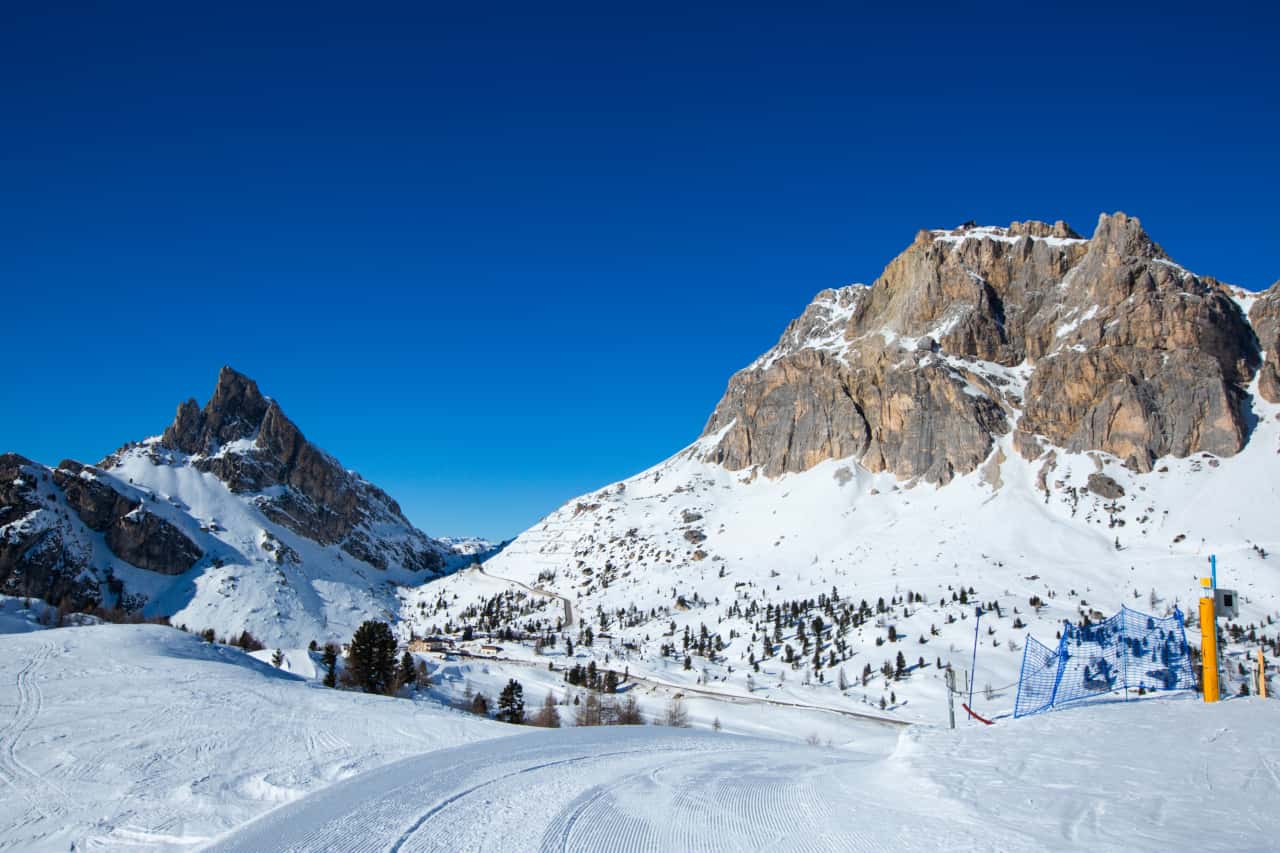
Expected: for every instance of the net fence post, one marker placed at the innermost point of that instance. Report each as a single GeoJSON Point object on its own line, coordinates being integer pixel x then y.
{"type": "Point", "coordinates": [1124, 649]}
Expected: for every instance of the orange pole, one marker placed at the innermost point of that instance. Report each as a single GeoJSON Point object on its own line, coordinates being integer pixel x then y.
{"type": "Point", "coordinates": [1209, 648]}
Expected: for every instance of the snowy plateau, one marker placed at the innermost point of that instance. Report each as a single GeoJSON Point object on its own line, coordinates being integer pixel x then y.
{"type": "Point", "coordinates": [780, 601]}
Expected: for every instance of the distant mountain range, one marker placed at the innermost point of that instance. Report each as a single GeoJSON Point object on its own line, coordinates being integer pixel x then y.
{"type": "Point", "coordinates": [1020, 410]}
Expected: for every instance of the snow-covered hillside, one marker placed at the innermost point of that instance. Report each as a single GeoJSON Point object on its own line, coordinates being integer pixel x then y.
{"type": "Point", "coordinates": [627, 551]}
{"type": "Point", "coordinates": [119, 737]}
{"type": "Point", "coordinates": [839, 583]}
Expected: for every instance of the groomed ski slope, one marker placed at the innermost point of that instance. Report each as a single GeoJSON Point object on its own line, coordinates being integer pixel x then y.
{"type": "Point", "coordinates": [118, 737]}
{"type": "Point", "coordinates": [1143, 776]}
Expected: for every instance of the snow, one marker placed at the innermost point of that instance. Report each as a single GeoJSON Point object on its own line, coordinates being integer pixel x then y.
{"type": "Point", "coordinates": [821, 327]}
{"type": "Point", "coordinates": [1149, 776]}
{"type": "Point", "coordinates": [1000, 235]}
{"type": "Point", "coordinates": [1243, 298]}
{"type": "Point", "coordinates": [23, 615]}
{"type": "Point", "coordinates": [1073, 324]}
{"type": "Point", "coordinates": [131, 737]}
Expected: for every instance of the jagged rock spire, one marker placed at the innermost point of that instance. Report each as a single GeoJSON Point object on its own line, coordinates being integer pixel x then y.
{"type": "Point", "coordinates": [234, 411]}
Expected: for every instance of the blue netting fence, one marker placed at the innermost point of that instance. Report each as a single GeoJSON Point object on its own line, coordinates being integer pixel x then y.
{"type": "Point", "coordinates": [1130, 651]}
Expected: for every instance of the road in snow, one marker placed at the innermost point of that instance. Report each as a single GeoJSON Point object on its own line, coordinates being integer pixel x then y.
{"type": "Point", "coordinates": [539, 591]}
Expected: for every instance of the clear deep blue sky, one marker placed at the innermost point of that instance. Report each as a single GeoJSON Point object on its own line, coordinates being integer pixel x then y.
{"type": "Point", "coordinates": [496, 257]}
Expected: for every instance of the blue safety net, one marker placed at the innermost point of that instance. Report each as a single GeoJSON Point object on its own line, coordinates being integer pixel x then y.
{"type": "Point", "coordinates": [1131, 651]}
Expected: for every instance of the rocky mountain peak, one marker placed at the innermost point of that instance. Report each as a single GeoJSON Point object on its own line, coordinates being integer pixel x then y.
{"type": "Point", "coordinates": [234, 411]}
{"type": "Point", "coordinates": [245, 439]}
{"type": "Point", "coordinates": [1123, 236]}
{"type": "Point", "coordinates": [971, 332]}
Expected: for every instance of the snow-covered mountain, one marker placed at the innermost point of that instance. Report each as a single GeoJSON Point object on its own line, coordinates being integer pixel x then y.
{"type": "Point", "coordinates": [230, 520]}
{"type": "Point", "coordinates": [1016, 416]}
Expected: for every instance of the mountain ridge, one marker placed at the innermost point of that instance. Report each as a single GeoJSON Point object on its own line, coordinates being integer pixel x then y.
{"type": "Point", "coordinates": [1103, 336]}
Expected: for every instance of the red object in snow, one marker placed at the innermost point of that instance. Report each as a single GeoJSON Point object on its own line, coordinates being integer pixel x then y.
{"type": "Point", "coordinates": [975, 716]}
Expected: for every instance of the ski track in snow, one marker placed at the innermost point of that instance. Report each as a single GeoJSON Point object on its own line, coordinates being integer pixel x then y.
{"type": "Point", "coordinates": [45, 799]}
{"type": "Point", "coordinates": [669, 790]}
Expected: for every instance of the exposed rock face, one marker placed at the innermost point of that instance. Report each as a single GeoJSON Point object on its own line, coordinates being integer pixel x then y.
{"type": "Point", "coordinates": [1265, 316]}
{"type": "Point", "coordinates": [42, 553]}
{"type": "Point", "coordinates": [98, 505]}
{"type": "Point", "coordinates": [246, 440]}
{"type": "Point", "coordinates": [132, 533]}
{"type": "Point", "coordinates": [33, 559]}
{"type": "Point", "coordinates": [1099, 344]}
{"type": "Point", "coordinates": [1148, 360]}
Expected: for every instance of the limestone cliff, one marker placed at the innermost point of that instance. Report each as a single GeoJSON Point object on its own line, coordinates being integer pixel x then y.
{"type": "Point", "coordinates": [1088, 344]}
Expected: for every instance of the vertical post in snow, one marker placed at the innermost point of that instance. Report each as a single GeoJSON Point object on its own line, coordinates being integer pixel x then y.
{"type": "Point", "coordinates": [951, 691]}
{"type": "Point", "coordinates": [977, 618]}
{"type": "Point", "coordinates": [1208, 644]}
{"type": "Point", "coordinates": [1262, 676]}
{"type": "Point", "coordinates": [1213, 571]}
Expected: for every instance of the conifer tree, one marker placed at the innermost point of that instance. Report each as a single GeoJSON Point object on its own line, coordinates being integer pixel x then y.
{"type": "Point", "coordinates": [511, 703]}
{"type": "Point", "coordinates": [408, 674]}
{"type": "Point", "coordinates": [371, 659]}
{"type": "Point", "coordinates": [330, 665]}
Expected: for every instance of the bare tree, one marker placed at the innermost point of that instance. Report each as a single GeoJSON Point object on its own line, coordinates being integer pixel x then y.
{"type": "Point", "coordinates": [589, 712]}
{"type": "Point", "coordinates": [677, 715]}
{"type": "Point", "coordinates": [628, 712]}
{"type": "Point", "coordinates": [548, 716]}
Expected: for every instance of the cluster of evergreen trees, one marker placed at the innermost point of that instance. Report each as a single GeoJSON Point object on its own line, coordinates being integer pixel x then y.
{"type": "Point", "coordinates": [592, 678]}
{"type": "Point", "coordinates": [372, 665]}
{"type": "Point", "coordinates": [589, 709]}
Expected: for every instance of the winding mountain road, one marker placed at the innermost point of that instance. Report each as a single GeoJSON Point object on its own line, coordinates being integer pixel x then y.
{"type": "Point", "coordinates": [536, 590]}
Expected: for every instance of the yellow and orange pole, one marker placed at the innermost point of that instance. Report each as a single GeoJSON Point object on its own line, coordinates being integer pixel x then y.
{"type": "Point", "coordinates": [1262, 676]}
{"type": "Point", "coordinates": [1208, 642]}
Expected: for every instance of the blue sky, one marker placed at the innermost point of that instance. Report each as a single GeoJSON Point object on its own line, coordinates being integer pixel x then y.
{"type": "Point", "coordinates": [496, 257]}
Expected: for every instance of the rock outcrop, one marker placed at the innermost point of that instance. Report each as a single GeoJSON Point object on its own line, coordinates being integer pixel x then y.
{"type": "Point", "coordinates": [1099, 344]}
{"type": "Point", "coordinates": [1265, 317]}
{"type": "Point", "coordinates": [34, 559]}
{"type": "Point", "coordinates": [45, 554]}
{"type": "Point", "coordinates": [133, 534]}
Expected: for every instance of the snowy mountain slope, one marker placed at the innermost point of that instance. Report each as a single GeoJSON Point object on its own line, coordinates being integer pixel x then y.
{"type": "Point", "coordinates": [142, 737]}
{"type": "Point", "coordinates": [1045, 532]}
{"type": "Point", "coordinates": [1151, 777]}
{"type": "Point", "coordinates": [231, 521]}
